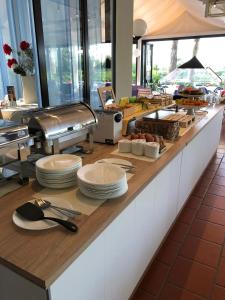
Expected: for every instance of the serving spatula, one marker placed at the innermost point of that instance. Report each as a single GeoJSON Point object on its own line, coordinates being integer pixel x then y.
{"type": "Point", "coordinates": [31, 212]}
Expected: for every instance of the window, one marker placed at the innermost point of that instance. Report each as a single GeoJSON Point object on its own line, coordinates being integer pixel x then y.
{"type": "Point", "coordinates": [17, 12]}
{"type": "Point", "coordinates": [73, 54]}
{"type": "Point", "coordinates": [63, 53]}
{"type": "Point", "coordinates": [100, 46]}
{"type": "Point", "coordinates": [169, 54]}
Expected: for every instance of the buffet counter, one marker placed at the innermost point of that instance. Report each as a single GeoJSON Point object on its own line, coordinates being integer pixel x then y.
{"type": "Point", "coordinates": [115, 244]}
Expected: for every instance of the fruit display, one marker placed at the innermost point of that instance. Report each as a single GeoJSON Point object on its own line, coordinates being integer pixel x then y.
{"type": "Point", "coordinates": [191, 102]}
{"type": "Point", "coordinates": [191, 91]}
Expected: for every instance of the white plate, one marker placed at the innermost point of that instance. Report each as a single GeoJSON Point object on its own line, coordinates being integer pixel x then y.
{"type": "Point", "coordinates": [103, 196]}
{"type": "Point", "coordinates": [115, 161]}
{"type": "Point", "coordinates": [58, 163]}
{"type": "Point", "coordinates": [104, 174]}
{"type": "Point", "coordinates": [63, 185]}
{"type": "Point", "coordinates": [42, 224]}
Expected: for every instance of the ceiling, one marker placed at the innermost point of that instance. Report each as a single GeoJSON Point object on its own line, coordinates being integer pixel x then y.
{"type": "Point", "coordinates": [176, 18]}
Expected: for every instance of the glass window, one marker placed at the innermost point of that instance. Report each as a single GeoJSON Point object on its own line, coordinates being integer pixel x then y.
{"type": "Point", "coordinates": [100, 46]}
{"type": "Point", "coordinates": [14, 27]}
{"type": "Point", "coordinates": [63, 53]}
{"type": "Point", "coordinates": [169, 54]}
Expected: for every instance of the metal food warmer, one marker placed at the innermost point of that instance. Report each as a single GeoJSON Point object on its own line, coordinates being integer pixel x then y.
{"type": "Point", "coordinates": [15, 143]}
{"type": "Point", "coordinates": [58, 128]}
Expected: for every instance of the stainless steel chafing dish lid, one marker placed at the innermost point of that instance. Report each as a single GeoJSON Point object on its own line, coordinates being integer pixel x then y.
{"type": "Point", "coordinates": [13, 134]}
{"type": "Point", "coordinates": [61, 120]}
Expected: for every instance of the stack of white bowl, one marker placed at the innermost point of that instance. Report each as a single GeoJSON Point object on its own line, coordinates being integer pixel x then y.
{"type": "Point", "coordinates": [58, 171]}
{"type": "Point", "coordinates": [102, 181]}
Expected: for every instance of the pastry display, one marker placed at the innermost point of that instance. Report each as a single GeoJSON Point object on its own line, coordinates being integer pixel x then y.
{"type": "Point", "coordinates": [191, 91]}
{"type": "Point", "coordinates": [192, 102]}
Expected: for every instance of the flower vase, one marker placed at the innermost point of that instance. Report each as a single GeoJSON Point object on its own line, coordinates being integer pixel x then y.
{"type": "Point", "coordinates": [29, 90]}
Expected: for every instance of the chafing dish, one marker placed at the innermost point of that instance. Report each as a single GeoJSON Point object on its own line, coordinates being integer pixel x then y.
{"type": "Point", "coordinates": [55, 129]}
{"type": "Point", "coordinates": [15, 143]}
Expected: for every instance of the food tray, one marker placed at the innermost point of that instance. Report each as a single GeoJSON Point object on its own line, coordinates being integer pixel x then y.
{"type": "Point", "coordinates": [191, 95]}
{"type": "Point", "coordinates": [184, 120]}
{"type": "Point", "coordinates": [166, 128]}
{"type": "Point", "coordinates": [192, 106]}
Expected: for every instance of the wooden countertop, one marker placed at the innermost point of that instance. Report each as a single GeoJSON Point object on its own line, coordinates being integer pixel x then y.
{"type": "Point", "coordinates": [42, 256]}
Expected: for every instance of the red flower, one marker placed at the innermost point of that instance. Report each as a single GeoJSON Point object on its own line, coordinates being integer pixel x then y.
{"type": "Point", "coordinates": [7, 49]}
{"type": "Point", "coordinates": [11, 62]}
{"type": "Point", "coordinates": [24, 45]}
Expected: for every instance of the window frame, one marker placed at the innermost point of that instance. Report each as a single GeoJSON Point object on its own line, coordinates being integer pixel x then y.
{"type": "Point", "coordinates": [84, 43]}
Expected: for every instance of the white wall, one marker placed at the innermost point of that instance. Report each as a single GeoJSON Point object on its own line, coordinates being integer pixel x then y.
{"type": "Point", "coordinates": [124, 40]}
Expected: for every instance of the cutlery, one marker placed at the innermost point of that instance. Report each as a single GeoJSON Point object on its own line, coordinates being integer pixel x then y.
{"type": "Point", "coordinates": [46, 204]}
{"type": "Point", "coordinates": [121, 165]}
{"type": "Point", "coordinates": [43, 206]}
{"type": "Point", "coordinates": [32, 212]}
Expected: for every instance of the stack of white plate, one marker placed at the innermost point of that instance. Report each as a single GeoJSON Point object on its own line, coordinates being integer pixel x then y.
{"type": "Point", "coordinates": [102, 181]}
{"type": "Point", "coordinates": [58, 171]}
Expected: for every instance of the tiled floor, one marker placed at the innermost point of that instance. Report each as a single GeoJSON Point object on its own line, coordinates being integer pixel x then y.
{"type": "Point", "coordinates": [191, 263]}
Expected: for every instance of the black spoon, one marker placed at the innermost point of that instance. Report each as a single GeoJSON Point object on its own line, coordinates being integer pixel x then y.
{"type": "Point", "coordinates": [31, 212]}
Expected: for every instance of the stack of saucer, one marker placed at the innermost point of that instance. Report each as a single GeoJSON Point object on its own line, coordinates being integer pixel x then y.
{"type": "Point", "coordinates": [102, 181]}
{"type": "Point", "coordinates": [58, 171]}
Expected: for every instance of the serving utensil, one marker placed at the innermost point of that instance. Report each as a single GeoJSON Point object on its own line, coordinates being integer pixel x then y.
{"type": "Point", "coordinates": [117, 164]}
{"type": "Point", "coordinates": [47, 204]}
{"type": "Point", "coordinates": [32, 212]}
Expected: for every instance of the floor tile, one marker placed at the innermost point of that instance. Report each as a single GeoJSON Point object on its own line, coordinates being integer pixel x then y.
{"type": "Point", "coordinates": [216, 189]}
{"type": "Point", "coordinates": [171, 292]}
{"type": "Point", "coordinates": [219, 180]}
{"type": "Point", "coordinates": [223, 252]}
{"type": "Point", "coordinates": [178, 232]}
{"type": "Point", "coordinates": [155, 278]}
{"type": "Point", "coordinates": [194, 202]}
{"type": "Point", "coordinates": [212, 167]}
{"type": "Point", "coordinates": [210, 174]}
{"type": "Point", "coordinates": [218, 293]}
{"type": "Point", "coordinates": [194, 277]}
{"type": "Point", "coordinates": [220, 172]}
{"type": "Point", "coordinates": [220, 150]}
{"type": "Point", "coordinates": [216, 160]}
{"type": "Point", "coordinates": [187, 215]}
{"type": "Point", "coordinates": [200, 250]}
{"type": "Point", "coordinates": [211, 214]}
{"type": "Point", "coordinates": [168, 252]}
{"type": "Point", "coordinates": [142, 295]}
{"type": "Point", "coordinates": [215, 201]}
{"type": "Point", "coordinates": [219, 155]}
{"type": "Point", "coordinates": [204, 182]}
{"type": "Point", "coordinates": [208, 231]}
{"type": "Point", "coordinates": [222, 165]}
{"type": "Point", "coordinates": [220, 278]}
{"type": "Point", "coordinates": [200, 191]}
